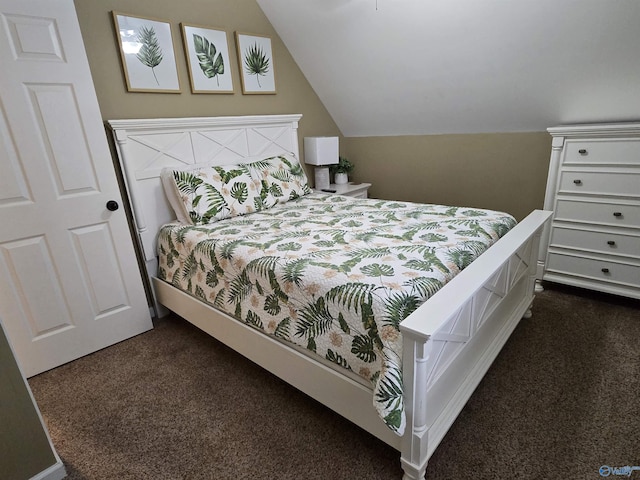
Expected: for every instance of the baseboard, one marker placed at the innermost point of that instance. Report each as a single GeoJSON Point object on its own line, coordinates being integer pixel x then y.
{"type": "Point", "coordinates": [54, 472]}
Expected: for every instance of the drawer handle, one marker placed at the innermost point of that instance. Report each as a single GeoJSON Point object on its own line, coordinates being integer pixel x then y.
{"type": "Point", "coordinates": [582, 151]}
{"type": "Point", "coordinates": [611, 243]}
{"type": "Point", "coordinates": [605, 270]}
{"type": "Point", "coordinates": [617, 214]}
{"type": "Point", "coordinates": [577, 181]}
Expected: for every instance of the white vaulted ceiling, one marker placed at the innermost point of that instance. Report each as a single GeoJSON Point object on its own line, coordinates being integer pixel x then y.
{"type": "Point", "coordinates": [404, 67]}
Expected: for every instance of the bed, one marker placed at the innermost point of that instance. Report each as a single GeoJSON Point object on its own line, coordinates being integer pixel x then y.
{"type": "Point", "coordinates": [446, 343]}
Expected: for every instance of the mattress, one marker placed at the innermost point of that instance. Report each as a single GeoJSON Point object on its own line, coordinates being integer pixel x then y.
{"type": "Point", "coordinates": [332, 274]}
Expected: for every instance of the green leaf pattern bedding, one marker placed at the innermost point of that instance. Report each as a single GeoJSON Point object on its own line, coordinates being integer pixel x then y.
{"type": "Point", "coordinates": [332, 274]}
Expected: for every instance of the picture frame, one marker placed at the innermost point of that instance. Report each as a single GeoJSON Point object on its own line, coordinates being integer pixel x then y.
{"type": "Point", "coordinates": [147, 54]}
{"type": "Point", "coordinates": [255, 62]}
{"type": "Point", "coordinates": [207, 52]}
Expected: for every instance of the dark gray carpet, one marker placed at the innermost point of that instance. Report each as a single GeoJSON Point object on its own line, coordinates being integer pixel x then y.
{"type": "Point", "coordinates": [561, 400]}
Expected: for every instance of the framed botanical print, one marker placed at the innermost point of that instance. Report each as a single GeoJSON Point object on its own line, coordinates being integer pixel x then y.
{"type": "Point", "coordinates": [207, 52]}
{"type": "Point", "coordinates": [146, 50]}
{"type": "Point", "coordinates": [255, 59]}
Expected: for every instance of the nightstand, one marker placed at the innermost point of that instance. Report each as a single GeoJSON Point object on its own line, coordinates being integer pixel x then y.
{"type": "Point", "coordinates": [356, 190]}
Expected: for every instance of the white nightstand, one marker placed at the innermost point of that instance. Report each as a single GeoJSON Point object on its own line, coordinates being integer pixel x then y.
{"type": "Point", "coordinates": [356, 190]}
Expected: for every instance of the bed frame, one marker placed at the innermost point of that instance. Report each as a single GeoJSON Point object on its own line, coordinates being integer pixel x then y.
{"type": "Point", "coordinates": [448, 343]}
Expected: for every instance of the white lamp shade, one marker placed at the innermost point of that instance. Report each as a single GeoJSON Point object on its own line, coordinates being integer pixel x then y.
{"type": "Point", "coordinates": [321, 150]}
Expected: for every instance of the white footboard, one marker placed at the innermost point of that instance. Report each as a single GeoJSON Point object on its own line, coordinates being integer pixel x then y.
{"type": "Point", "coordinates": [450, 342]}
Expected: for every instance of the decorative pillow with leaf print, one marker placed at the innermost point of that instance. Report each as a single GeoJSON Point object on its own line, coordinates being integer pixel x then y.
{"type": "Point", "coordinates": [284, 176]}
{"type": "Point", "coordinates": [214, 193]}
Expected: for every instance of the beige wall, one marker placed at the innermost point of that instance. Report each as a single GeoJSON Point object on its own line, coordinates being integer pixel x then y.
{"type": "Point", "coordinates": [503, 171]}
{"type": "Point", "coordinates": [25, 450]}
{"type": "Point", "coordinates": [294, 94]}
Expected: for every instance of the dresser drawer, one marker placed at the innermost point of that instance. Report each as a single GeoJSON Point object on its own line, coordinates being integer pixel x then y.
{"type": "Point", "coordinates": [594, 269]}
{"type": "Point", "coordinates": [607, 152]}
{"type": "Point", "coordinates": [618, 215]}
{"type": "Point", "coordinates": [602, 242]}
{"type": "Point", "coordinates": [600, 183]}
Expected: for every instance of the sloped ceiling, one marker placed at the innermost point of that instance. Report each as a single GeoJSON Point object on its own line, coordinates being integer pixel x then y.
{"type": "Point", "coordinates": [405, 67]}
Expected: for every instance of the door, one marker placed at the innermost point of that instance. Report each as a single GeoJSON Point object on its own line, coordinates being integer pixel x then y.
{"type": "Point", "coordinates": [69, 279]}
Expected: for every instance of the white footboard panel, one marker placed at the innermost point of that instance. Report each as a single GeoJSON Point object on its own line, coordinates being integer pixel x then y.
{"type": "Point", "coordinates": [450, 342]}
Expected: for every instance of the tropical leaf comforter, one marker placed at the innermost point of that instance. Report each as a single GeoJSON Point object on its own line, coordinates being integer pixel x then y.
{"type": "Point", "coordinates": [332, 274]}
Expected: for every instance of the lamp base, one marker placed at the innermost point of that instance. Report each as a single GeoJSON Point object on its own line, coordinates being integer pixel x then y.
{"type": "Point", "coordinates": [322, 178]}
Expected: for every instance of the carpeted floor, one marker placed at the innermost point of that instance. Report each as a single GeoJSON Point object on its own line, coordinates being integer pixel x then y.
{"type": "Point", "coordinates": [561, 400]}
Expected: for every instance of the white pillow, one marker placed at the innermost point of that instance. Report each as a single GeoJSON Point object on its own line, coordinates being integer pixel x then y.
{"type": "Point", "coordinates": [173, 195]}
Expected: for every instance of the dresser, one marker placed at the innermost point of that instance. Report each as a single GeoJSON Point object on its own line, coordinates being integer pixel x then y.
{"type": "Point", "coordinates": [593, 188]}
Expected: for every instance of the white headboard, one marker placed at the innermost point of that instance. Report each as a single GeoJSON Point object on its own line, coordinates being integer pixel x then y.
{"type": "Point", "coordinates": [146, 146]}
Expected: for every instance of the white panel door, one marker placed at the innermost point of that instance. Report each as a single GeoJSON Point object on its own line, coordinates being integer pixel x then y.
{"type": "Point", "coordinates": [69, 278]}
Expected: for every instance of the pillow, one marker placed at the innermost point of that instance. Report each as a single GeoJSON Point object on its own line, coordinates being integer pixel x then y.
{"type": "Point", "coordinates": [173, 195]}
{"type": "Point", "coordinates": [214, 193]}
{"type": "Point", "coordinates": [284, 176]}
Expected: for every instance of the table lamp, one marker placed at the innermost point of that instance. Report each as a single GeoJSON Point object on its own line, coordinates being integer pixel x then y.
{"type": "Point", "coordinates": [321, 151]}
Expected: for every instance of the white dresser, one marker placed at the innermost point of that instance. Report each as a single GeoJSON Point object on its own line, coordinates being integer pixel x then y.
{"type": "Point", "coordinates": [594, 190]}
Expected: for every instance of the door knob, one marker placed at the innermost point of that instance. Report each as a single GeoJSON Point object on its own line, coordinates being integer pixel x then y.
{"type": "Point", "coordinates": [112, 205]}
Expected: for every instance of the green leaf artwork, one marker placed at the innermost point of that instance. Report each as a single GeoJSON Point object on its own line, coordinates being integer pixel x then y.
{"type": "Point", "coordinates": [211, 61]}
{"type": "Point", "coordinates": [150, 53]}
{"type": "Point", "coordinates": [256, 62]}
